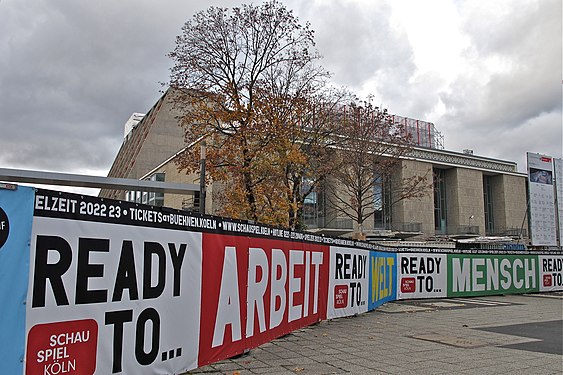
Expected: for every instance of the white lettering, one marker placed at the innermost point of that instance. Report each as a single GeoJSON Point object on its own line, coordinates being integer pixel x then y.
{"type": "Point", "coordinates": [530, 272]}
{"type": "Point", "coordinates": [492, 274]}
{"type": "Point", "coordinates": [317, 261]}
{"type": "Point", "coordinates": [228, 310]}
{"type": "Point", "coordinates": [295, 258]}
{"type": "Point", "coordinates": [504, 264]}
{"type": "Point", "coordinates": [477, 274]}
{"type": "Point", "coordinates": [518, 282]}
{"type": "Point", "coordinates": [256, 289]}
{"type": "Point", "coordinates": [462, 277]}
{"type": "Point", "coordinates": [277, 287]}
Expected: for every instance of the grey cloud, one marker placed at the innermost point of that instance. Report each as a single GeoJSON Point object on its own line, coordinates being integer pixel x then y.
{"type": "Point", "coordinates": [524, 41]}
{"type": "Point", "coordinates": [518, 109]}
{"type": "Point", "coordinates": [357, 41]}
{"type": "Point", "coordinates": [71, 73]}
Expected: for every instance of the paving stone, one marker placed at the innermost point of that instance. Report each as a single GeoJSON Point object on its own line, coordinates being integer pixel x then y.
{"type": "Point", "coordinates": [383, 343]}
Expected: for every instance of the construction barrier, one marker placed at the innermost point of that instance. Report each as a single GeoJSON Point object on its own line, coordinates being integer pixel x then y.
{"type": "Point", "coordinates": [94, 286]}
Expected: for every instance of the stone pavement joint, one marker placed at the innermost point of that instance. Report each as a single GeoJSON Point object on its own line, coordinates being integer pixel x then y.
{"type": "Point", "coordinates": [459, 342]}
{"type": "Point", "coordinates": [436, 341]}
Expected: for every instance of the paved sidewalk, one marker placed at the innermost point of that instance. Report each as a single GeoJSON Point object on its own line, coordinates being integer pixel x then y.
{"type": "Point", "coordinates": [451, 336]}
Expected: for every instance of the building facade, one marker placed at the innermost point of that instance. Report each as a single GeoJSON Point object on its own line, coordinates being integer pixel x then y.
{"type": "Point", "coordinates": [469, 194]}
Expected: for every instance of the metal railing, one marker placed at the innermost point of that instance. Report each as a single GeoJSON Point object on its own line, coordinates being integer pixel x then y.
{"type": "Point", "coordinates": [509, 232]}
{"type": "Point", "coordinates": [413, 227]}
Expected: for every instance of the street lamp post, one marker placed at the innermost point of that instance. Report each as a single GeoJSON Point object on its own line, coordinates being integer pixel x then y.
{"type": "Point", "coordinates": [202, 191]}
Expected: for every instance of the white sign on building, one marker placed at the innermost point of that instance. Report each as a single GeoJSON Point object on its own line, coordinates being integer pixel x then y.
{"type": "Point", "coordinates": [558, 169]}
{"type": "Point", "coordinates": [542, 200]}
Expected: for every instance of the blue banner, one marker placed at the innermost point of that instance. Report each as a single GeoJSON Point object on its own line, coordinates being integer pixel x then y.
{"type": "Point", "coordinates": [16, 217]}
{"type": "Point", "coordinates": [382, 278]}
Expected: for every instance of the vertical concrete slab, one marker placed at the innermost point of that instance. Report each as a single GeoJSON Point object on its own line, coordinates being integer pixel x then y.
{"type": "Point", "coordinates": [418, 210]}
{"type": "Point", "coordinates": [509, 202]}
{"type": "Point", "coordinates": [464, 199]}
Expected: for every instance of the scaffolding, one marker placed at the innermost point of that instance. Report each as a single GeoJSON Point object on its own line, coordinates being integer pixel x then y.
{"type": "Point", "coordinates": [422, 133]}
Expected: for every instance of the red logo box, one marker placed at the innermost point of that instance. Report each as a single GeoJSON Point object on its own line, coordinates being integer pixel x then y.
{"type": "Point", "coordinates": [547, 280]}
{"type": "Point", "coordinates": [62, 348]}
{"type": "Point", "coordinates": [408, 285]}
{"type": "Point", "coordinates": [340, 296]}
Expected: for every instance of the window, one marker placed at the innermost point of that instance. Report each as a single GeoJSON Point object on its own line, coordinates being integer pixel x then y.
{"type": "Point", "coordinates": [150, 198]}
{"type": "Point", "coordinates": [488, 200]}
{"type": "Point", "coordinates": [381, 203]}
{"type": "Point", "coordinates": [196, 199]}
{"type": "Point", "coordinates": [156, 199]}
{"type": "Point", "coordinates": [313, 206]}
{"type": "Point", "coordinates": [440, 201]}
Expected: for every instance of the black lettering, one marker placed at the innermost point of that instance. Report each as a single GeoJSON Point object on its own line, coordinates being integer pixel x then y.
{"type": "Point", "coordinates": [420, 281]}
{"type": "Point", "coordinates": [118, 318]}
{"type": "Point", "coordinates": [126, 275]}
{"type": "Point", "coordinates": [339, 263]}
{"type": "Point", "coordinates": [438, 260]}
{"type": "Point", "coordinates": [429, 284]}
{"type": "Point", "coordinates": [85, 270]}
{"type": "Point", "coordinates": [354, 267]}
{"type": "Point", "coordinates": [347, 266]}
{"type": "Point", "coordinates": [177, 258]}
{"type": "Point", "coordinates": [422, 267]}
{"type": "Point", "coordinates": [53, 272]}
{"type": "Point", "coordinates": [413, 267]}
{"type": "Point", "coordinates": [405, 265]}
{"type": "Point", "coordinates": [150, 291]}
{"type": "Point", "coordinates": [142, 357]}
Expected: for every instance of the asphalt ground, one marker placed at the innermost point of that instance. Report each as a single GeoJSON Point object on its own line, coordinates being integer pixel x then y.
{"type": "Point", "coordinates": [518, 334]}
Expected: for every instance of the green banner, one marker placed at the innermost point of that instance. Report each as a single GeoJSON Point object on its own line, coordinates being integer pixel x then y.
{"type": "Point", "coordinates": [477, 275]}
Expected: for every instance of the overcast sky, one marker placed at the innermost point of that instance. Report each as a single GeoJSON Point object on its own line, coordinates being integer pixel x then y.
{"type": "Point", "coordinates": [487, 73]}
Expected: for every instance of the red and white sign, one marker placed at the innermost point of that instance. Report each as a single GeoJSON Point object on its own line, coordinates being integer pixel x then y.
{"type": "Point", "coordinates": [348, 282]}
{"type": "Point", "coordinates": [421, 275]}
{"type": "Point", "coordinates": [125, 297]}
{"type": "Point", "coordinates": [256, 289]}
{"type": "Point", "coordinates": [63, 347]}
{"type": "Point", "coordinates": [340, 296]}
{"type": "Point", "coordinates": [408, 285]}
{"type": "Point", "coordinates": [550, 273]}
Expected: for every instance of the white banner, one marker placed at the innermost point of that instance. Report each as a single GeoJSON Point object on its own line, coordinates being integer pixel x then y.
{"type": "Point", "coordinates": [421, 275]}
{"type": "Point", "coordinates": [348, 282]}
{"type": "Point", "coordinates": [128, 296]}
{"type": "Point", "coordinates": [558, 169]}
{"type": "Point", "coordinates": [542, 200]}
{"type": "Point", "coordinates": [551, 273]}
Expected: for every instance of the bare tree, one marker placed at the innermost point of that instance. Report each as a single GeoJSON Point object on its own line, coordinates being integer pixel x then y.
{"type": "Point", "coordinates": [307, 134]}
{"type": "Point", "coordinates": [371, 152]}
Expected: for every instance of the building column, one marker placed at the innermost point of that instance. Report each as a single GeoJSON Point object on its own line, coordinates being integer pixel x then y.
{"type": "Point", "coordinates": [416, 210]}
{"type": "Point", "coordinates": [509, 203]}
{"type": "Point", "coordinates": [464, 200]}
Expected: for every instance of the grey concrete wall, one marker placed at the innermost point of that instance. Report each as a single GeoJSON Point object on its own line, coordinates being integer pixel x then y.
{"type": "Point", "coordinates": [464, 198]}
{"type": "Point", "coordinates": [164, 138]}
{"type": "Point", "coordinates": [509, 202]}
{"type": "Point", "coordinates": [419, 210]}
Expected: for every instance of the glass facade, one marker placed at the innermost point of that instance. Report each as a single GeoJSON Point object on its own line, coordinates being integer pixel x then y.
{"type": "Point", "coordinates": [440, 214]}
{"type": "Point", "coordinates": [150, 197]}
{"type": "Point", "coordinates": [313, 206]}
{"type": "Point", "coordinates": [381, 203]}
{"type": "Point", "coordinates": [488, 200]}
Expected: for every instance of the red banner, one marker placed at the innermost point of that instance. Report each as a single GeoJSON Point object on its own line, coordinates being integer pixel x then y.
{"type": "Point", "coordinates": [255, 290]}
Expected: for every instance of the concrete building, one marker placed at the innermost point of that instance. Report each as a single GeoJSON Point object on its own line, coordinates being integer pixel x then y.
{"type": "Point", "coordinates": [470, 194]}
